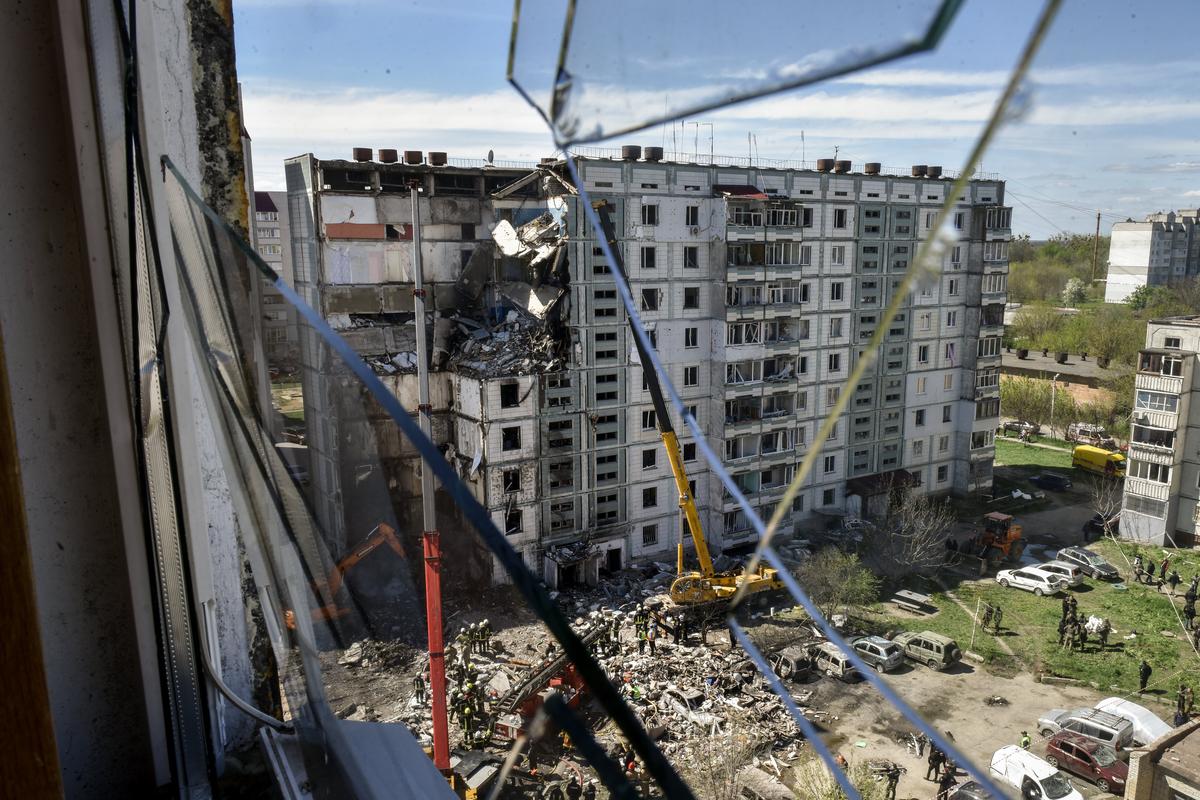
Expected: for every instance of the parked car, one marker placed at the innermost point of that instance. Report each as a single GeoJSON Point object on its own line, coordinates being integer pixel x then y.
{"type": "Point", "coordinates": [1090, 563]}
{"type": "Point", "coordinates": [1090, 760]}
{"type": "Point", "coordinates": [1034, 777]}
{"type": "Point", "coordinates": [1147, 726]}
{"type": "Point", "coordinates": [931, 649]}
{"type": "Point", "coordinates": [1070, 573]}
{"type": "Point", "coordinates": [1099, 726]}
{"type": "Point", "coordinates": [1095, 527]}
{"type": "Point", "coordinates": [881, 654]}
{"type": "Point", "coordinates": [1016, 427]}
{"type": "Point", "coordinates": [829, 659]}
{"type": "Point", "coordinates": [1031, 579]}
{"type": "Point", "coordinates": [971, 790]}
{"type": "Point", "coordinates": [1054, 481]}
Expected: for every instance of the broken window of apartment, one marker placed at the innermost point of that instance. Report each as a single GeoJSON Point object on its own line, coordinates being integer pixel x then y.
{"type": "Point", "coordinates": [689, 451]}
{"type": "Point", "coordinates": [649, 258]}
{"type": "Point", "coordinates": [923, 354]}
{"type": "Point", "coordinates": [560, 433]}
{"type": "Point", "coordinates": [606, 468]}
{"type": "Point", "coordinates": [649, 458]}
{"type": "Point", "coordinates": [512, 521]}
{"type": "Point", "coordinates": [691, 376]}
{"type": "Point", "coordinates": [919, 418]}
{"type": "Point", "coordinates": [691, 297]}
{"type": "Point", "coordinates": [691, 257]}
{"type": "Point", "coordinates": [649, 214]}
{"type": "Point", "coordinates": [691, 337]}
{"type": "Point", "coordinates": [649, 535]}
{"type": "Point", "coordinates": [510, 438]}
{"type": "Point", "coordinates": [839, 217]}
{"type": "Point", "coordinates": [562, 516]}
{"type": "Point", "coordinates": [468, 232]}
{"type": "Point", "coordinates": [946, 413]}
{"type": "Point", "coordinates": [649, 497]}
{"type": "Point", "coordinates": [835, 327]}
{"type": "Point", "coordinates": [512, 480]}
{"type": "Point", "coordinates": [562, 473]}
{"type": "Point", "coordinates": [452, 184]}
{"type": "Point", "coordinates": [691, 215]}
{"type": "Point", "coordinates": [960, 220]}
{"type": "Point", "coordinates": [647, 420]}
{"type": "Point", "coordinates": [649, 299]}
{"type": "Point", "coordinates": [510, 394]}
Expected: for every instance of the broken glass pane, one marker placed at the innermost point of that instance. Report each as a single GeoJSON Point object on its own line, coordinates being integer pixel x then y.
{"type": "Point", "coordinates": [625, 65]}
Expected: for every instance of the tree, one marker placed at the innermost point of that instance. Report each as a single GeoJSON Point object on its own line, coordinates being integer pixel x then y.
{"type": "Point", "coordinates": [1104, 496]}
{"type": "Point", "coordinates": [715, 760]}
{"type": "Point", "coordinates": [1074, 293]}
{"type": "Point", "coordinates": [1143, 296]}
{"type": "Point", "coordinates": [1025, 399]}
{"type": "Point", "coordinates": [1112, 332]}
{"type": "Point", "coordinates": [835, 580]}
{"type": "Point", "coordinates": [911, 538]}
{"type": "Point", "coordinates": [1032, 322]}
{"type": "Point", "coordinates": [811, 780]}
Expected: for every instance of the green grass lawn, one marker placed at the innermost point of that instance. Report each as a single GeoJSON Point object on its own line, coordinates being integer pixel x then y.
{"type": "Point", "coordinates": [1031, 630]}
{"type": "Point", "coordinates": [1016, 454]}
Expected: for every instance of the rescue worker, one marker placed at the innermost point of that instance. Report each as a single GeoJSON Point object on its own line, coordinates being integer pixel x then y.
{"type": "Point", "coordinates": [652, 633]}
{"type": "Point", "coordinates": [1189, 613]}
{"type": "Point", "coordinates": [589, 790]}
{"type": "Point", "coordinates": [1073, 637]}
{"type": "Point", "coordinates": [933, 762]}
{"type": "Point", "coordinates": [574, 790]}
{"type": "Point", "coordinates": [1196, 638]}
{"type": "Point", "coordinates": [419, 688]}
{"type": "Point", "coordinates": [1073, 602]}
{"type": "Point", "coordinates": [1173, 581]}
{"type": "Point", "coordinates": [467, 714]}
{"type": "Point", "coordinates": [486, 630]}
{"type": "Point", "coordinates": [1062, 630]}
{"type": "Point", "coordinates": [1189, 701]}
{"type": "Point", "coordinates": [945, 784]}
{"type": "Point", "coordinates": [1025, 740]}
{"type": "Point", "coordinates": [1137, 568]}
{"type": "Point", "coordinates": [987, 616]}
{"type": "Point", "coordinates": [1105, 629]}
{"type": "Point", "coordinates": [1083, 634]}
{"type": "Point", "coordinates": [640, 628]}
{"type": "Point", "coordinates": [1143, 675]}
{"type": "Point", "coordinates": [1066, 606]}
{"type": "Point", "coordinates": [1179, 700]}
{"type": "Point", "coordinates": [893, 778]}
{"type": "Point", "coordinates": [997, 616]}
{"type": "Point", "coordinates": [1150, 571]}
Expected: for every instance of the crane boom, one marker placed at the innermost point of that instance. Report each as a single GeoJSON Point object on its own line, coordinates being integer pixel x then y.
{"type": "Point", "coordinates": [662, 418]}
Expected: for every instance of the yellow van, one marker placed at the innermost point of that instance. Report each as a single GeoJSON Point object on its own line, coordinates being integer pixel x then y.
{"type": "Point", "coordinates": [1099, 461]}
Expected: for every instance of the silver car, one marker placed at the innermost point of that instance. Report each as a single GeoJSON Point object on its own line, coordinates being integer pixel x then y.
{"type": "Point", "coordinates": [880, 653]}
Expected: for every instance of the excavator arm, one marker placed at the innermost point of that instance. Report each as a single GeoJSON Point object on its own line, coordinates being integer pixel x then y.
{"type": "Point", "coordinates": [662, 418]}
{"type": "Point", "coordinates": [383, 534]}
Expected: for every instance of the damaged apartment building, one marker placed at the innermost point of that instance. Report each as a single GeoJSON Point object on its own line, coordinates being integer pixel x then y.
{"type": "Point", "coordinates": [760, 288]}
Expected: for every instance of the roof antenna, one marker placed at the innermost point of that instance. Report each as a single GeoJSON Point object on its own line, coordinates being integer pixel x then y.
{"type": "Point", "coordinates": [491, 156]}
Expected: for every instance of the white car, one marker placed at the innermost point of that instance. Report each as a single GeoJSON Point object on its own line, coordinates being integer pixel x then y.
{"type": "Point", "coordinates": [1031, 579]}
{"type": "Point", "coordinates": [1147, 726]}
{"type": "Point", "coordinates": [1033, 777]}
{"type": "Point", "coordinates": [1068, 572]}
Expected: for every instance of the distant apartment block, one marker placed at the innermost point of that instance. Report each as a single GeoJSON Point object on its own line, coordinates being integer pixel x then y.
{"type": "Point", "coordinates": [1165, 247]}
{"type": "Point", "coordinates": [760, 288]}
{"type": "Point", "coordinates": [1162, 484]}
{"type": "Point", "coordinates": [273, 239]}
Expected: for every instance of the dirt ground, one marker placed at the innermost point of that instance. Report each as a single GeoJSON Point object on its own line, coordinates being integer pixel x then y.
{"type": "Point", "coordinates": [954, 701]}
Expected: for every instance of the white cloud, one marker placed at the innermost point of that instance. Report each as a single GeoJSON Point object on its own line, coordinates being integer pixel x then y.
{"type": "Point", "coordinates": [1192, 193]}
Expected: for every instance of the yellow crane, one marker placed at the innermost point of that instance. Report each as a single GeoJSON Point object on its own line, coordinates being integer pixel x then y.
{"type": "Point", "coordinates": [704, 585]}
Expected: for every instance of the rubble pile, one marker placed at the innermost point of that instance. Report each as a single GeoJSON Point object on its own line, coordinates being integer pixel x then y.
{"type": "Point", "coordinates": [517, 346]}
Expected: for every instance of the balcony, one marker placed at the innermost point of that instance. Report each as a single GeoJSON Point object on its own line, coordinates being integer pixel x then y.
{"type": "Point", "coordinates": [1144, 488]}
{"type": "Point", "coordinates": [998, 220]}
{"type": "Point", "coordinates": [1152, 453]}
{"type": "Point", "coordinates": [1156, 382]}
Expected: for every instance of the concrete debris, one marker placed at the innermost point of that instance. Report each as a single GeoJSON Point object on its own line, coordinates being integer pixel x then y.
{"type": "Point", "coordinates": [535, 242]}
{"type": "Point", "coordinates": [514, 347]}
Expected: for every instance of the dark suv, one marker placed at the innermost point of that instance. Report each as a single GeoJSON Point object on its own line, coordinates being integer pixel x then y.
{"type": "Point", "coordinates": [1053, 481]}
{"type": "Point", "coordinates": [1089, 760]}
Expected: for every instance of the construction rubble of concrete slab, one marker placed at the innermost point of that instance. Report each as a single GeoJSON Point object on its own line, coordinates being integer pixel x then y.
{"type": "Point", "coordinates": [684, 694]}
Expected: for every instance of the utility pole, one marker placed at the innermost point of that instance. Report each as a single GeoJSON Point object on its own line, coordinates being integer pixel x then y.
{"type": "Point", "coordinates": [1096, 246]}
{"type": "Point", "coordinates": [1053, 394]}
{"type": "Point", "coordinates": [430, 542]}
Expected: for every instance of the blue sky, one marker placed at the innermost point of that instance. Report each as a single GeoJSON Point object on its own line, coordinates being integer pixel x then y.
{"type": "Point", "coordinates": [1111, 124]}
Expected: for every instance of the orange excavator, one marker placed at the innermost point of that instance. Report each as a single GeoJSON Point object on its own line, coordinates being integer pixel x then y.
{"type": "Point", "coordinates": [382, 534]}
